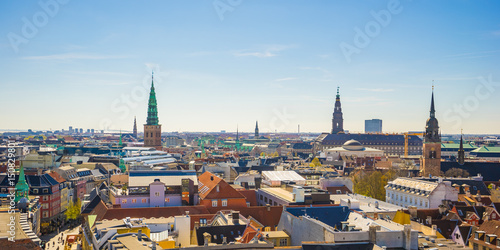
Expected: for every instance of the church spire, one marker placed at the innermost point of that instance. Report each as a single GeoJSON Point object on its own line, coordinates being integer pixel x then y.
{"type": "Point", "coordinates": [337, 120]}
{"type": "Point", "coordinates": [461, 152]}
{"type": "Point", "coordinates": [152, 106]}
{"type": "Point", "coordinates": [433, 111]}
{"type": "Point", "coordinates": [22, 188]}
{"type": "Point", "coordinates": [135, 128]}
{"type": "Point", "coordinates": [256, 129]}
{"type": "Point", "coordinates": [237, 134]}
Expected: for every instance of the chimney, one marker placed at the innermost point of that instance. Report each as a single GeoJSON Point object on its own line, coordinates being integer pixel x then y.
{"type": "Point", "coordinates": [375, 216]}
{"type": "Point", "coordinates": [413, 212]}
{"type": "Point", "coordinates": [429, 220]}
{"type": "Point", "coordinates": [372, 233]}
{"type": "Point", "coordinates": [268, 207]}
{"type": "Point", "coordinates": [236, 217]}
{"type": "Point", "coordinates": [139, 235]}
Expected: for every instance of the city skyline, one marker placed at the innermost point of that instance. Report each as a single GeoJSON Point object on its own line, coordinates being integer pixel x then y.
{"type": "Point", "coordinates": [218, 68]}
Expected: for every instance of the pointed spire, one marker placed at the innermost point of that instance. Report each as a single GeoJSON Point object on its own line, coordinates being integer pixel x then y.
{"type": "Point", "coordinates": [22, 188]}
{"type": "Point", "coordinates": [152, 106]}
{"type": "Point", "coordinates": [256, 129]}
{"type": "Point", "coordinates": [433, 111]}
{"type": "Point", "coordinates": [135, 128]}
{"type": "Point", "coordinates": [120, 143]}
{"type": "Point", "coordinates": [461, 152]}
{"type": "Point", "coordinates": [237, 133]}
{"type": "Point", "coordinates": [338, 94]}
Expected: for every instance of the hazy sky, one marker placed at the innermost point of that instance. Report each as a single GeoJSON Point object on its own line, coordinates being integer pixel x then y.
{"type": "Point", "coordinates": [223, 63]}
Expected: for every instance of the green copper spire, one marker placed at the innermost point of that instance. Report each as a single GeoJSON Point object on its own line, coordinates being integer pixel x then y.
{"type": "Point", "coordinates": [22, 188]}
{"type": "Point", "coordinates": [338, 94]}
{"type": "Point", "coordinates": [152, 107]}
{"type": "Point", "coordinates": [120, 143]}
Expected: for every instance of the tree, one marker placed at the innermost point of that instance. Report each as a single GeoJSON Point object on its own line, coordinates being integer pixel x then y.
{"type": "Point", "coordinates": [372, 184]}
{"type": "Point", "coordinates": [74, 210]}
{"type": "Point", "coordinates": [456, 172]}
{"type": "Point", "coordinates": [315, 162]}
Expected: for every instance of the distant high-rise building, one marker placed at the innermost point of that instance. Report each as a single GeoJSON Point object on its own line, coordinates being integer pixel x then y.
{"type": "Point", "coordinates": [338, 120]}
{"type": "Point", "coordinates": [88, 130]}
{"type": "Point", "coordinates": [81, 130]}
{"type": "Point", "coordinates": [92, 131]}
{"type": "Point", "coordinates": [135, 128]}
{"type": "Point", "coordinates": [432, 144]}
{"type": "Point", "coordinates": [152, 130]}
{"type": "Point", "coordinates": [373, 126]}
{"type": "Point", "coordinates": [71, 129]}
{"type": "Point", "coordinates": [256, 130]}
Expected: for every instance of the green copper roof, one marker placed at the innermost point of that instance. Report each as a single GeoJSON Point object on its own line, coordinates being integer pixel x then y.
{"type": "Point", "coordinates": [22, 188]}
{"type": "Point", "coordinates": [152, 106]}
{"type": "Point", "coordinates": [485, 149]}
{"type": "Point", "coordinates": [457, 145]}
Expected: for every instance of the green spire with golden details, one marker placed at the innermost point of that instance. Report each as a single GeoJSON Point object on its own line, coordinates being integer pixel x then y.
{"type": "Point", "coordinates": [22, 188]}
{"type": "Point", "coordinates": [152, 106]}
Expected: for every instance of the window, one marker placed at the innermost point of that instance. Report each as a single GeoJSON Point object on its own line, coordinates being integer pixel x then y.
{"type": "Point", "coordinates": [261, 197]}
{"type": "Point", "coordinates": [265, 199]}
{"type": "Point", "coordinates": [224, 203]}
{"type": "Point", "coordinates": [339, 192]}
{"type": "Point", "coordinates": [35, 191]}
{"type": "Point", "coordinates": [167, 200]}
{"type": "Point", "coordinates": [45, 191]}
{"type": "Point", "coordinates": [134, 200]}
{"type": "Point", "coordinates": [157, 194]}
{"type": "Point", "coordinates": [284, 242]}
{"type": "Point", "coordinates": [214, 203]}
{"type": "Point", "coordinates": [45, 206]}
{"type": "Point", "coordinates": [144, 201]}
{"type": "Point", "coordinates": [4, 190]}
{"type": "Point", "coordinates": [45, 198]}
{"type": "Point", "coordinates": [124, 201]}
{"type": "Point", "coordinates": [203, 222]}
{"type": "Point", "coordinates": [45, 214]}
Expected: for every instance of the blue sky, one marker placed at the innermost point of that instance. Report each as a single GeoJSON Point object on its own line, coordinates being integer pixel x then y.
{"type": "Point", "coordinates": [223, 63]}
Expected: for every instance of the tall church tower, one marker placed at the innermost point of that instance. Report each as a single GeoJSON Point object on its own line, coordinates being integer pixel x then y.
{"type": "Point", "coordinates": [432, 144]}
{"type": "Point", "coordinates": [337, 121]}
{"type": "Point", "coordinates": [152, 130]}
{"type": "Point", "coordinates": [256, 130]}
{"type": "Point", "coordinates": [461, 152]}
{"type": "Point", "coordinates": [135, 128]}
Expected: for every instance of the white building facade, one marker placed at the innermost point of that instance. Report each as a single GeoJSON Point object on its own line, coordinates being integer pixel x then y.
{"type": "Point", "coordinates": [419, 193]}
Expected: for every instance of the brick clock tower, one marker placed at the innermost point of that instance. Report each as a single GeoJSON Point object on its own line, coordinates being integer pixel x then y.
{"type": "Point", "coordinates": [337, 120]}
{"type": "Point", "coordinates": [152, 130]}
{"type": "Point", "coordinates": [432, 144]}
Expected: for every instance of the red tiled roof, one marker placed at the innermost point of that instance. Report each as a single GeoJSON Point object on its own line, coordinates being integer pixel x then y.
{"type": "Point", "coordinates": [57, 177]}
{"type": "Point", "coordinates": [251, 196]}
{"type": "Point", "coordinates": [207, 188]}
